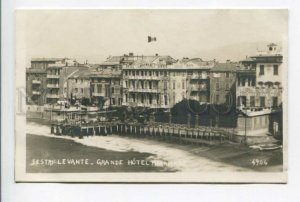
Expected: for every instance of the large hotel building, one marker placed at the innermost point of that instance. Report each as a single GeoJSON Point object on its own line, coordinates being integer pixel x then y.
{"type": "Point", "coordinates": [160, 82]}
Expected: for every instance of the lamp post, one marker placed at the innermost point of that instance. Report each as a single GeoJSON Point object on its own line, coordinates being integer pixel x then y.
{"type": "Point", "coordinates": [189, 120]}
{"type": "Point", "coordinates": [245, 138]}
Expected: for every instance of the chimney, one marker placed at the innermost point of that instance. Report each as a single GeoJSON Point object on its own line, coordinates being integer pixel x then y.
{"type": "Point", "coordinates": [156, 54]}
{"type": "Point", "coordinates": [130, 54]}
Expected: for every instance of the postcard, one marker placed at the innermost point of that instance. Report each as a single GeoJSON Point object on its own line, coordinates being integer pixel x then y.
{"type": "Point", "coordinates": [151, 96]}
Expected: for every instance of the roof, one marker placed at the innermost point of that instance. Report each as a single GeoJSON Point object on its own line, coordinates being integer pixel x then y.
{"type": "Point", "coordinates": [137, 59]}
{"type": "Point", "coordinates": [248, 59]}
{"type": "Point", "coordinates": [47, 59]}
{"type": "Point", "coordinates": [36, 71]}
{"type": "Point", "coordinates": [157, 59]}
{"type": "Point", "coordinates": [196, 62]}
{"type": "Point", "coordinates": [115, 59]}
{"type": "Point", "coordinates": [224, 67]}
{"type": "Point", "coordinates": [107, 63]}
{"type": "Point", "coordinates": [83, 74]}
{"type": "Point", "coordinates": [106, 73]}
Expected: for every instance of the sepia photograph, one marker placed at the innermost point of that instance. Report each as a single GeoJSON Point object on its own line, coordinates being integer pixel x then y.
{"type": "Point", "coordinates": [164, 96]}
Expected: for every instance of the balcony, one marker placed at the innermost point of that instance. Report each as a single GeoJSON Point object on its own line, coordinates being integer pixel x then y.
{"type": "Point", "coordinates": [197, 88]}
{"type": "Point", "coordinates": [36, 92]}
{"type": "Point", "coordinates": [36, 81]}
{"type": "Point", "coordinates": [153, 105]}
{"type": "Point", "coordinates": [143, 77]}
{"type": "Point", "coordinates": [98, 94]}
{"type": "Point", "coordinates": [52, 96]}
{"type": "Point", "coordinates": [202, 76]}
{"type": "Point", "coordinates": [140, 90]}
{"type": "Point", "coordinates": [52, 85]}
{"type": "Point", "coordinates": [53, 76]}
{"type": "Point", "coordinates": [246, 90]}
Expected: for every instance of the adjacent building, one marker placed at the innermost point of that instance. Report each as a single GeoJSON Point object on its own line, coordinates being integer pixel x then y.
{"type": "Point", "coordinates": [259, 93]}
{"type": "Point", "coordinates": [36, 82]}
{"type": "Point", "coordinates": [78, 85]}
{"type": "Point", "coordinates": [106, 88]}
{"type": "Point", "coordinates": [260, 83]}
{"type": "Point", "coordinates": [223, 83]}
{"type": "Point", "coordinates": [47, 79]}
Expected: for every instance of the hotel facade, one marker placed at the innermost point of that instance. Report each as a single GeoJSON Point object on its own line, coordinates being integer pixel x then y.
{"type": "Point", "coordinates": [159, 82]}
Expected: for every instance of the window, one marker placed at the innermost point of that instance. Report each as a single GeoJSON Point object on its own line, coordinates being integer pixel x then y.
{"type": "Point", "coordinates": [76, 90]}
{"type": "Point", "coordinates": [275, 101]}
{"type": "Point", "coordinates": [183, 84]}
{"type": "Point", "coordinates": [113, 101]}
{"type": "Point", "coordinates": [174, 86]}
{"type": "Point", "coordinates": [75, 80]}
{"type": "Point", "coordinates": [275, 69]}
{"type": "Point", "coordinates": [112, 90]}
{"type": "Point", "coordinates": [252, 101]}
{"type": "Point", "coordinates": [227, 74]}
{"type": "Point", "coordinates": [216, 75]}
{"type": "Point", "coordinates": [165, 85]}
{"type": "Point", "coordinates": [261, 69]}
{"type": "Point", "coordinates": [253, 82]}
{"type": "Point", "coordinates": [243, 81]}
{"type": "Point", "coordinates": [142, 98]}
{"type": "Point", "coordinates": [82, 90]}
{"type": "Point", "coordinates": [217, 99]}
{"type": "Point", "coordinates": [262, 101]}
{"type": "Point", "coordinates": [166, 100]}
{"type": "Point", "coordinates": [217, 86]}
{"type": "Point", "coordinates": [227, 86]}
{"type": "Point", "coordinates": [99, 88]}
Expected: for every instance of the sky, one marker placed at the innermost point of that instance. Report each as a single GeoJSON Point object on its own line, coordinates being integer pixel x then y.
{"type": "Point", "coordinates": [94, 35]}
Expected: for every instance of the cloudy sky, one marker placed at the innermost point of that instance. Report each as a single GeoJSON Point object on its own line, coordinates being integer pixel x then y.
{"type": "Point", "coordinates": [96, 34]}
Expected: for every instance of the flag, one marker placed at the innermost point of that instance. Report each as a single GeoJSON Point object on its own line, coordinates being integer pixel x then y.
{"type": "Point", "coordinates": [150, 39]}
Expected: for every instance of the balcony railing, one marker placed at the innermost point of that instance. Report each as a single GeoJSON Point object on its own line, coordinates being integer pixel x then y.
{"type": "Point", "coordinates": [197, 88]}
{"type": "Point", "coordinates": [36, 92]}
{"type": "Point", "coordinates": [36, 81]}
{"type": "Point", "coordinates": [52, 85]}
{"type": "Point", "coordinates": [199, 76]}
{"type": "Point", "coordinates": [98, 94]}
{"type": "Point", "coordinates": [143, 90]}
{"type": "Point", "coordinates": [153, 105]}
{"type": "Point", "coordinates": [52, 96]}
{"type": "Point", "coordinates": [53, 76]}
{"type": "Point", "coordinates": [143, 77]}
